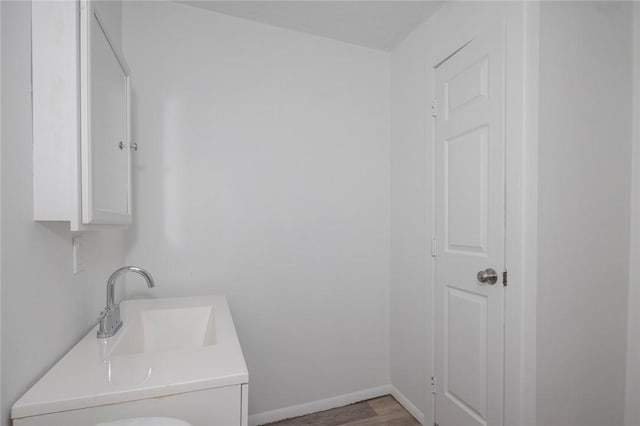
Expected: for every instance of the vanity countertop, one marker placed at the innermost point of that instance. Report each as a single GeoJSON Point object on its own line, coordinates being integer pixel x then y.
{"type": "Point", "coordinates": [132, 365]}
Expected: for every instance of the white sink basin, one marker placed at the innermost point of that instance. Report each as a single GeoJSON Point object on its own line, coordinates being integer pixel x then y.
{"type": "Point", "coordinates": [165, 347]}
{"type": "Point", "coordinates": [156, 330]}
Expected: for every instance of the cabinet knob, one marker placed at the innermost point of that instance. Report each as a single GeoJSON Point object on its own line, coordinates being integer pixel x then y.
{"type": "Point", "coordinates": [121, 145]}
{"type": "Point", "coordinates": [134, 146]}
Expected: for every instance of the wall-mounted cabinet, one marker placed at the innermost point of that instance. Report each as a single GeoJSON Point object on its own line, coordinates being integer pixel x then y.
{"type": "Point", "coordinates": [81, 119]}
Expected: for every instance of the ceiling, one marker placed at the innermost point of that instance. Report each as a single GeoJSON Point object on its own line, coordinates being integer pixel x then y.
{"type": "Point", "coordinates": [375, 24]}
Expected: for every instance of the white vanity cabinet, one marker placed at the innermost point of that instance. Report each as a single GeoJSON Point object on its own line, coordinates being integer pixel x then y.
{"type": "Point", "coordinates": [222, 406]}
{"type": "Point", "coordinates": [81, 118]}
{"type": "Point", "coordinates": [173, 357]}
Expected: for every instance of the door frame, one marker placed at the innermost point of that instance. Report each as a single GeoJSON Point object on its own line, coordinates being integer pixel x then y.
{"type": "Point", "coordinates": [521, 20]}
{"type": "Point", "coordinates": [632, 411]}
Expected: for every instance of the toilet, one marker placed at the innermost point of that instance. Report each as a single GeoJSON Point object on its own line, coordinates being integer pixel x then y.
{"type": "Point", "coordinates": [147, 421]}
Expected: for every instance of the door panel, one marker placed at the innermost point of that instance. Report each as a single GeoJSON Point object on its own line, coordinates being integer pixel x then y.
{"type": "Point", "coordinates": [108, 126]}
{"type": "Point", "coordinates": [466, 348]}
{"type": "Point", "coordinates": [470, 221]}
{"type": "Point", "coordinates": [105, 125]}
{"type": "Point", "coordinates": [470, 84]}
{"type": "Point", "coordinates": [466, 192]}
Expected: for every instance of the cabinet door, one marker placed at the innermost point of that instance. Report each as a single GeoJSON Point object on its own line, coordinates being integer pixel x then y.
{"type": "Point", "coordinates": [106, 173]}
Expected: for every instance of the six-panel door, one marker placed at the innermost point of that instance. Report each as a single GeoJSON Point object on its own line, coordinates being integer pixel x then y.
{"type": "Point", "coordinates": [470, 230]}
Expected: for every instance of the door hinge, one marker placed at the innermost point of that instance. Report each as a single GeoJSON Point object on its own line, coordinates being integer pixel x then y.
{"type": "Point", "coordinates": [504, 278]}
{"type": "Point", "coordinates": [434, 388]}
{"type": "Point", "coordinates": [434, 248]}
{"type": "Point", "coordinates": [434, 108]}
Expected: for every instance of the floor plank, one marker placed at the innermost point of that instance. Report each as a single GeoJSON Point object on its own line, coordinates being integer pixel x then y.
{"type": "Point", "coordinates": [383, 411]}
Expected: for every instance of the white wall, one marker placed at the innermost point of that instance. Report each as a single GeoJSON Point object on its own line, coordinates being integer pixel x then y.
{"type": "Point", "coordinates": [632, 408]}
{"type": "Point", "coordinates": [411, 304]}
{"type": "Point", "coordinates": [263, 174]}
{"type": "Point", "coordinates": [583, 208]}
{"type": "Point", "coordinates": [45, 308]}
{"type": "Point", "coordinates": [411, 219]}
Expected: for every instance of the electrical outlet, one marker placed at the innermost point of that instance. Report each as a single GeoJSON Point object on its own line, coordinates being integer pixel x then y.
{"type": "Point", "coordinates": [78, 258]}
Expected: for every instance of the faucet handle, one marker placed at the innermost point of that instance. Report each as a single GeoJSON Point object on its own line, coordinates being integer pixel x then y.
{"type": "Point", "coordinates": [109, 323]}
{"type": "Point", "coordinates": [103, 320]}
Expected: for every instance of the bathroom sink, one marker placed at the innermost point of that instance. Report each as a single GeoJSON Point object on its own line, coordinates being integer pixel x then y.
{"type": "Point", "coordinates": [165, 347]}
{"type": "Point", "coordinates": [168, 329]}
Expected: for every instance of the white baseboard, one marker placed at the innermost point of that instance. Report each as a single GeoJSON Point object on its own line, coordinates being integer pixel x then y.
{"type": "Point", "coordinates": [320, 405]}
{"type": "Point", "coordinates": [408, 405]}
{"type": "Point", "coordinates": [334, 402]}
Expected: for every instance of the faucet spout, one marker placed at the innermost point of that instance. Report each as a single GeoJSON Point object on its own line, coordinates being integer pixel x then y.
{"type": "Point", "coordinates": [111, 283]}
{"type": "Point", "coordinates": [110, 321]}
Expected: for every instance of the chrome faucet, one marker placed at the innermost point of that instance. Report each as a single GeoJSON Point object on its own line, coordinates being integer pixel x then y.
{"type": "Point", "coordinates": [110, 322]}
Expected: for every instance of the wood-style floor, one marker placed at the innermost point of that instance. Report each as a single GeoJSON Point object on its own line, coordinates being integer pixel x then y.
{"type": "Point", "coordinates": [379, 411]}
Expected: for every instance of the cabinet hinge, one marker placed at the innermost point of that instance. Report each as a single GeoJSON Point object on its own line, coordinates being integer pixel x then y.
{"type": "Point", "coordinates": [434, 108]}
{"type": "Point", "coordinates": [433, 385]}
{"type": "Point", "coordinates": [434, 248]}
{"type": "Point", "coordinates": [504, 278]}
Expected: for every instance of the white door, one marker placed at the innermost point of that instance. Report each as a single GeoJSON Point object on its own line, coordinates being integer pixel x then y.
{"type": "Point", "coordinates": [470, 233]}
{"type": "Point", "coordinates": [105, 145]}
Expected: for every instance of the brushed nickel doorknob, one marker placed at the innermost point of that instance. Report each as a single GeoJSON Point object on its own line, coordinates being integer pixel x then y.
{"type": "Point", "coordinates": [488, 276]}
